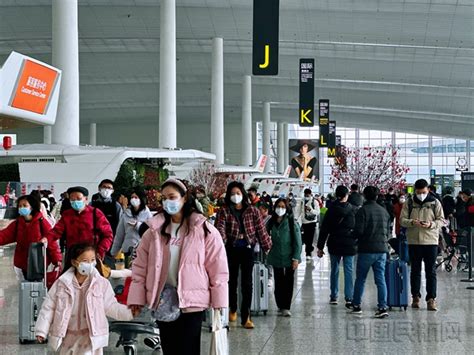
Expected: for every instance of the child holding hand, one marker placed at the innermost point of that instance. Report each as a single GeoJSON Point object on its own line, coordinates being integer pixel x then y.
{"type": "Point", "coordinates": [74, 314]}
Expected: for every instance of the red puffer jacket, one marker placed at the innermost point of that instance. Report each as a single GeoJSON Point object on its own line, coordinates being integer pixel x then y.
{"type": "Point", "coordinates": [24, 233]}
{"type": "Point", "coordinates": [79, 228]}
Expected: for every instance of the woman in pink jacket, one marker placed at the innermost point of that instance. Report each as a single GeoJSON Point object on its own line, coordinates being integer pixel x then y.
{"type": "Point", "coordinates": [180, 270]}
{"type": "Point", "coordinates": [75, 312]}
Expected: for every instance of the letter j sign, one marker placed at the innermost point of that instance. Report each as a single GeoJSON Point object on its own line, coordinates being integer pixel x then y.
{"type": "Point", "coordinates": [265, 37]}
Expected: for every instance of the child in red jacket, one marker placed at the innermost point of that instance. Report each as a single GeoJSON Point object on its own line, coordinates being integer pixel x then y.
{"type": "Point", "coordinates": [29, 227]}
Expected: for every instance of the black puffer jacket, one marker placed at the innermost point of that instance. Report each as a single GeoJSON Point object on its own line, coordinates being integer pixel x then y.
{"type": "Point", "coordinates": [337, 229]}
{"type": "Point", "coordinates": [372, 228]}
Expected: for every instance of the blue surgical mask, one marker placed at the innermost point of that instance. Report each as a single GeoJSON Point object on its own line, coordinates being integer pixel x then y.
{"type": "Point", "coordinates": [24, 211]}
{"type": "Point", "coordinates": [172, 206]}
{"type": "Point", "coordinates": [77, 205]}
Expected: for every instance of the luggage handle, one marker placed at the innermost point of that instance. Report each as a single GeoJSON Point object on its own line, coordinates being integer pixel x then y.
{"type": "Point", "coordinates": [45, 265]}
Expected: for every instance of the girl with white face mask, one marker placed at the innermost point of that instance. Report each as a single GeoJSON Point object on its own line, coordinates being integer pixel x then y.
{"type": "Point", "coordinates": [74, 314]}
{"type": "Point", "coordinates": [241, 227]}
{"type": "Point", "coordinates": [179, 271]}
{"type": "Point", "coordinates": [127, 236]}
{"type": "Point", "coordinates": [285, 254]}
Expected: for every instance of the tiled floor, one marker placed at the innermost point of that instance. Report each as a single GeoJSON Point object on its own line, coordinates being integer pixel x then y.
{"type": "Point", "coordinates": [316, 327]}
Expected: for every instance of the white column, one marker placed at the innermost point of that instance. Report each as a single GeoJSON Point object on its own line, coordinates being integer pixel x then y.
{"type": "Point", "coordinates": [254, 143]}
{"type": "Point", "coordinates": [468, 154]}
{"type": "Point", "coordinates": [47, 130]}
{"type": "Point", "coordinates": [247, 121]}
{"type": "Point", "coordinates": [93, 134]}
{"type": "Point", "coordinates": [266, 135]}
{"type": "Point", "coordinates": [167, 123]}
{"type": "Point", "coordinates": [281, 147]}
{"type": "Point", "coordinates": [217, 100]}
{"type": "Point", "coordinates": [287, 147]}
{"type": "Point", "coordinates": [65, 47]}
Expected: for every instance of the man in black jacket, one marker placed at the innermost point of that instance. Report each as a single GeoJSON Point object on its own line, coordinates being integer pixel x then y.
{"type": "Point", "coordinates": [104, 201]}
{"type": "Point", "coordinates": [355, 198]}
{"type": "Point", "coordinates": [337, 230]}
{"type": "Point", "coordinates": [372, 231]}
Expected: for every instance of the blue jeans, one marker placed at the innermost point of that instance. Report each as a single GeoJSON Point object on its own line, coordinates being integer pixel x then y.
{"type": "Point", "coordinates": [348, 262]}
{"type": "Point", "coordinates": [364, 262]}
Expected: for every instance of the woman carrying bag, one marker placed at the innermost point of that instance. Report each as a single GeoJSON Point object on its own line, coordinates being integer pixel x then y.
{"type": "Point", "coordinates": [241, 226]}
{"type": "Point", "coordinates": [285, 255]}
{"type": "Point", "coordinates": [180, 271]}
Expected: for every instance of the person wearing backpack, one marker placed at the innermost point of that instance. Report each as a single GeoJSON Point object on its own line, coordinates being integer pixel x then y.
{"type": "Point", "coordinates": [285, 254]}
{"type": "Point", "coordinates": [309, 214]}
{"type": "Point", "coordinates": [180, 270]}
{"type": "Point", "coordinates": [82, 224]}
{"type": "Point", "coordinates": [337, 229]}
{"type": "Point", "coordinates": [423, 217]}
{"type": "Point", "coordinates": [29, 227]}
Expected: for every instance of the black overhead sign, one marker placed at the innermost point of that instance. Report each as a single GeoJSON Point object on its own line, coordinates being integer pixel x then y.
{"type": "Point", "coordinates": [332, 139]}
{"type": "Point", "coordinates": [323, 123]}
{"type": "Point", "coordinates": [265, 37]}
{"type": "Point", "coordinates": [338, 141]}
{"type": "Point", "coordinates": [306, 108]}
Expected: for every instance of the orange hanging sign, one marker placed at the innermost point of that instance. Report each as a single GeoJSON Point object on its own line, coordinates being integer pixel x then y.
{"type": "Point", "coordinates": [34, 87]}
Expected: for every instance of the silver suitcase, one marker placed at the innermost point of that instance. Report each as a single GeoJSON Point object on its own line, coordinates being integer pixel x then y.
{"type": "Point", "coordinates": [209, 315]}
{"type": "Point", "coordinates": [32, 294]}
{"type": "Point", "coordinates": [260, 289]}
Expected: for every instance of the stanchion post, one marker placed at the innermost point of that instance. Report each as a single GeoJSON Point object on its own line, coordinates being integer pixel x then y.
{"type": "Point", "coordinates": [469, 260]}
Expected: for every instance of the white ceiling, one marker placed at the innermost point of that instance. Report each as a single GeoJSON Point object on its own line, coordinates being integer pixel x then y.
{"type": "Point", "coordinates": [404, 65]}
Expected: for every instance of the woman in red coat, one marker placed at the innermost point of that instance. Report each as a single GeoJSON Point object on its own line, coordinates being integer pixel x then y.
{"type": "Point", "coordinates": [29, 227]}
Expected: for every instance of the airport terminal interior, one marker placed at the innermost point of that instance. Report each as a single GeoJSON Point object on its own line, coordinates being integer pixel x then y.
{"type": "Point", "coordinates": [306, 104]}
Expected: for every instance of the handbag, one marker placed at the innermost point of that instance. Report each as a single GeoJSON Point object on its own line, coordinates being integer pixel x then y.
{"type": "Point", "coordinates": [168, 308]}
{"type": "Point", "coordinates": [219, 343]}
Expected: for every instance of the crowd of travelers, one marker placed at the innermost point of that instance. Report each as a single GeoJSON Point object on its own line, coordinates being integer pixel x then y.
{"type": "Point", "coordinates": [202, 253]}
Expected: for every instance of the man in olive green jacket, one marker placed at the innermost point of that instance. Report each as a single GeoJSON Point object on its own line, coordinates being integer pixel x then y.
{"type": "Point", "coordinates": [423, 217]}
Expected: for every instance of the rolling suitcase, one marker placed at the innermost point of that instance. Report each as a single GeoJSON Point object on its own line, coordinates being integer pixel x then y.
{"type": "Point", "coordinates": [209, 316]}
{"type": "Point", "coordinates": [396, 278]}
{"type": "Point", "coordinates": [32, 293]}
{"type": "Point", "coordinates": [260, 289]}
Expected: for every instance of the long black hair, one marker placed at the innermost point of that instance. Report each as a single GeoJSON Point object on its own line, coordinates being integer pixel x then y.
{"type": "Point", "coordinates": [274, 219]}
{"type": "Point", "coordinates": [188, 209]}
{"type": "Point", "coordinates": [143, 201]}
{"type": "Point", "coordinates": [228, 194]}
{"type": "Point", "coordinates": [75, 251]}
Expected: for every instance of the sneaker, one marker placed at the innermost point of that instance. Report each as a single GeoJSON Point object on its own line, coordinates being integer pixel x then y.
{"type": "Point", "coordinates": [415, 302]}
{"type": "Point", "coordinates": [333, 301]}
{"type": "Point", "coordinates": [356, 310]}
{"type": "Point", "coordinates": [248, 324]}
{"type": "Point", "coordinates": [381, 313]}
{"type": "Point", "coordinates": [432, 305]}
{"type": "Point", "coordinates": [153, 343]}
{"type": "Point", "coordinates": [348, 304]}
{"type": "Point", "coordinates": [232, 316]}
{"type": "Point", "coordinates": [286, 313]}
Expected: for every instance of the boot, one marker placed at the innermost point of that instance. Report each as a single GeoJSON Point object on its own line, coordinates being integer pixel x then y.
{"type": "Point", "coordinates": [432, 305]}
{"type": "Point", "coordinates": [416, 302]}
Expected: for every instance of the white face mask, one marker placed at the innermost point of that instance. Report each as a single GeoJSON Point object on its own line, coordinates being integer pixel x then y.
{"type": "Point", "coordinates": [402, 199]}
{"type": "Point", "coordinates": [280, 211]}
{"type": "Point", "coordinates": [135, 202]}
{"type": "Point", "coordinates": [106, 193]}
{"type": "Point", "coordinates": [421, 197]}
{"type": "Point", "coordinates": [236, 199]}
{"type": "Point", "coordinates": [172, 207]}
{"type": "Point", "coordinates": [86, 269]}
